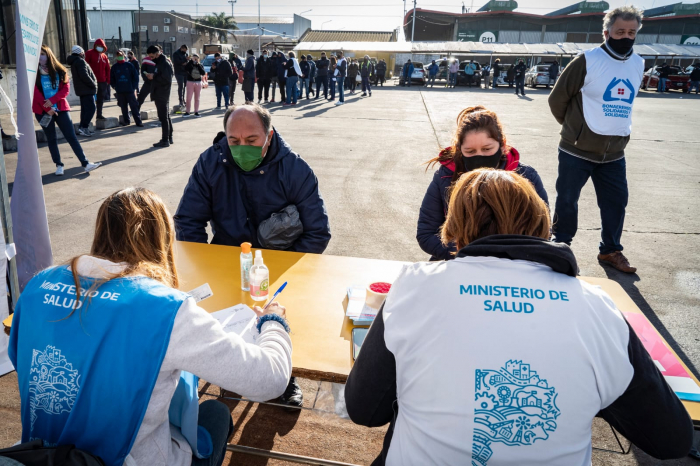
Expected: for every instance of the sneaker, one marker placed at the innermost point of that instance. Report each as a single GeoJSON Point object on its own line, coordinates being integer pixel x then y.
{"type": "Point", "coordinates": [100, 117]}
{"type": "Point", "coordinates": [92, 166]}
{"type": "Point", "coordinates": [618, 261]}
{"type": "Point", "coordinates": [171, 141]}
{"type": "Point", "coordinates": [370, 94]}
{"type": "Point", "coordinates": [272, 101]}
{"type": "Point", "coordinates": [178, 112]}
{"type": "Point", "coordinates": [197, 115]}
{"type": "Point", "coordinates": [266, 101]}
{"type": "Point", "coordinates": [185, 115]}
{"type": "Point", "coordinates": [59, 170]}
{"type": "Point", "coordinates": [161, 144]}
{"type": "Point", "coordinates": [292, 396]}
{"type": "Point", "coordinates": [139, 124]}
{"type": "Point", "coordinates": [84, 132]}
{"type": "Point", "coordinates": [125, 124]}
{"type": "Point", "coordinates": [259, 101]}
{"type": "Point", "coordinates": [338, 103]}
{"type": "Point", "coordinates": [364, 94]}
{"type": "Point", "coordinates": [92, 132]}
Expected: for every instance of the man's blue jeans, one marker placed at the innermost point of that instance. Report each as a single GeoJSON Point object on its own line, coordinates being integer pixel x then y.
{"type": "Point", "coordinates": [304, 85]}
{"type": "Point", "coordinates": [694, 85]}
{"type": "Point", "coordinates": [292, 89]}
{"type": "Point", "coordinates": [662, 85]}
{"type": "Point", "coordinates": [453, 80]}
{"type": "Point", "coordinates": [219, 91]}
{"type": "Point", "coordinates": [341, 89]}
{"type": "Point", "coordinates": [610, 183]}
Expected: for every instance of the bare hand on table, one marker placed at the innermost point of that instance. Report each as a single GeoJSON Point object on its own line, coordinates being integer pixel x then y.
{"type": "Point", "coordinates": [274, 308]}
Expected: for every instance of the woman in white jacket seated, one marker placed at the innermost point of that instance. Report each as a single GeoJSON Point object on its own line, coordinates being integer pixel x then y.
{"type": "Point", "coordinates": [99, 346]}
{"type": "Point", "coordinates": [502, 356]}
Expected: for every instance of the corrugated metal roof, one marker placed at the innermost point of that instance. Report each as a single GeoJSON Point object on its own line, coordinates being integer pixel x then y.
{"type": "Point", "coordinates": [479, 48]}
{"type": "Point", "coordinates": [348, 36]}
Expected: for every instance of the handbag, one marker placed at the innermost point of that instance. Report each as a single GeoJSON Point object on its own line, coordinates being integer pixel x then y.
{"type": "Point", "coordinates": [34, 453]}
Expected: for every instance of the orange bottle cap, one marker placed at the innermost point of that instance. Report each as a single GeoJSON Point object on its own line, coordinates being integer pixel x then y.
{"type": "Point", "coordinates": [245, 247]}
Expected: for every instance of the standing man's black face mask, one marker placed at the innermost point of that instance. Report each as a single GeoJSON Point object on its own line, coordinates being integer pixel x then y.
{"type": "Point", "coordinates": [620, 46]}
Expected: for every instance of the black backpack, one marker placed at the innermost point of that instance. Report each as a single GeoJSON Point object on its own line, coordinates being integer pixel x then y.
{"type": "Point", "coordinates": [34, 453]}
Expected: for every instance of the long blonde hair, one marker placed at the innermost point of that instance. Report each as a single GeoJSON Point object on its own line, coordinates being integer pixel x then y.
{"type": "Point", "coordinates": [488, 202]}
{"type": "Point", "coordinates": [133, 227]}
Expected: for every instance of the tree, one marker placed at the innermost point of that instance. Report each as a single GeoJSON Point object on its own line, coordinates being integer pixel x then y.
{"type": "Point", "coordinates": [218, 24]}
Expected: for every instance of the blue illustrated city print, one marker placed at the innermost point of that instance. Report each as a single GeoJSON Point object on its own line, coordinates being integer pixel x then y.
{"type": "Point", "coordinates": [513, 406]}
{"type": "Point", "coordinates": [53, 384]}
{"type": "Point", "coordinates": [619, 90]}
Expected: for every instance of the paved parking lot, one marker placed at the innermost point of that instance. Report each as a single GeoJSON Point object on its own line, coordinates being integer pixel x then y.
{"type": "Point", "coordinates": [369, 156]}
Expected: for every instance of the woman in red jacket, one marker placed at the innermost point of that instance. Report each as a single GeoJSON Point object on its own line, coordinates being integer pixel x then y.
{"type": "Point", "coordinates": [51, 108]}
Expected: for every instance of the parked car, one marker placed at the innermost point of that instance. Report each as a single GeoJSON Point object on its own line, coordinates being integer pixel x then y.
{"type": "Point", "coordinates": [418, 75]}
{"type": "Point", "coordinates": [462, 76]}
{"type": "Point", "coordinates": [677, 79]}
{"type": "Point", "coordinates": [502, 80]}
{"type": "Point", "coordinates": [538, 75]}
{"type": "Point", "coordinates": [206, 64]}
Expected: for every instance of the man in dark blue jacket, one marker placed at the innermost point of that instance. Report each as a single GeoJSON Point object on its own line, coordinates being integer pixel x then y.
{"type": "Point", "coordinates": [235, 193]}
{"type": "Point", "coordinates": [322, 76]}
{"type": "Point", "coordinates": [125, 81]}
{"type": "Point", "coordinates": [243, 179]}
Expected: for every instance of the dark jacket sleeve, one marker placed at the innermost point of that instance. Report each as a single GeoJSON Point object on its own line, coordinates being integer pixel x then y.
{"type": "Point", "coordinates": [534, 178]}
{"type": "Point", "coordinates": [112, 78]}
{"type": "Point", "coordinates": [649, 413]}
{"type": "Point", "coordinates": [86, 76]}
{"type": "Point", "coordinates": [194, 211]}
{"type": "Point", "coordinates": [567, 87]}
{"type": "Point", "coordinates": [135, 78]}
{"type": "Point", "coordinates": [307, 198]}
{"type": "Point", "coordinates": [430, 219]}
{"type": "Point", "coordinates": [249, 65]}
{"type": "Point", "coordinates": [164, 73]}
{"type": "Point", "coordinates": [370, 392]}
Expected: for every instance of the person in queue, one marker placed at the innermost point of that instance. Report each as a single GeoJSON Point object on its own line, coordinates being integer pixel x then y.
{"type": "Point", "coordinates": [195, 72]}
{"type": "Point", "coordinates": [118, 343]}
{"type": "Point", "coordinates": [322, 66]}
{"type": "Point", "coordinates": [248, 86]}
{"type": "Point", "coordinates": [479, 142]}
{"type": "Point", "coordinates": [520, 70]}
{"type": "Point", "coordinates": [293, 72]}
{"type": "Point", "coordinates": [407, 72]}
{"type": "Point", "coordinates": [282, 76]}
{"type": "Point", "coordinates": [222, 72]}
{"type": "Point", "coordinates": [85, 84]}
{"type": "Point", "coordinates": [134, 62]}
{"type": "Point", "coordinates": [381, 72]}
{"type": "Point", "coordinates": [264, 69]}
{"type": "Point", "coordinates": [502, 356]}
{"type": "Point", "coordinates": [147, 67]}
{"type": "Point", "coordinates": [258, 173]}
{"type": "Point", "coordinates": [161, 81]}
{"type": "Point", "coordinates": [312, 73]}
{"type": "Point", "coordinates": [332, 81]}
{"type": "Point", "coordinates": [99, 63]}
{"type": "Point", "coordinates": [179, 59]}
{"type": "Point", "coordinates": [340, 73]}
{"type": "Point", "coordinates": [50, 105]}
{"type": "Point", "coordinates": [124, 79]}
{"type": "Point", "coordinates": [305, 68]}
{"type": "Point", "coordinates": [593, 139]}
{"type": "Point", "coordinates": [367, 72]}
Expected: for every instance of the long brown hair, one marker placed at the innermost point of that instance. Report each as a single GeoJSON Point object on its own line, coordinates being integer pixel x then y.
{"type": "Point", "coordinates": [133, 227]}
{"type": "Point", "coordinates": [488, 202]}
{"type": "Point", "coordinates": [477, 118]}
{"type": "Point", "coordinates": [54, 66]}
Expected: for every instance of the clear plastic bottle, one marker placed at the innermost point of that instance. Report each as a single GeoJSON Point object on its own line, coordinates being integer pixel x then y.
{"type": "Point", "coordinates": [246, 264]}
{"type": "Point", "coordinates": [259, 279]}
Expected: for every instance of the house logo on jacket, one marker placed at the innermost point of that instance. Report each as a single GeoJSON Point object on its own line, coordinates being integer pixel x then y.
{"type": "Point", "coordinates": [513, 406]}
{"type": "Point", "coordinates": [620, 90]}
{"type": "Point", "coordinates": [53, 384]}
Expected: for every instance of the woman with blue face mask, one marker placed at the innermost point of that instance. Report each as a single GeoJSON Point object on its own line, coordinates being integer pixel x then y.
{"type": "Point", "coordinates": [50, 107]}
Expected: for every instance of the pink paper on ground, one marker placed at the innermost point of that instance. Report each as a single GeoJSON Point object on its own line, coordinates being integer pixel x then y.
{"type": "Point", "coordinates": [655, 346]}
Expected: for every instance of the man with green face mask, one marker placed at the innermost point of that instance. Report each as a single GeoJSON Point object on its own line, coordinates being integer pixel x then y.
{"type": "Point", "coordinates": [249, 174]}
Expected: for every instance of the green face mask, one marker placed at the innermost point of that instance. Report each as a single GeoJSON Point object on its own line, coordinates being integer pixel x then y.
{"type": "Point", "coordinates": [247, 157]}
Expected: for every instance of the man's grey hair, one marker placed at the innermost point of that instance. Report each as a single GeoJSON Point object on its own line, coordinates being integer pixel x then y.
{"type": "Point", "coordinates": [262, 112]}
{"type": "Point", "coordinates": [625, 13]}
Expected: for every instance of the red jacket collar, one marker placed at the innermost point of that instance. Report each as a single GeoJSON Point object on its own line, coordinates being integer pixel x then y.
{"type": "Point", "coordinates": [512, 161]}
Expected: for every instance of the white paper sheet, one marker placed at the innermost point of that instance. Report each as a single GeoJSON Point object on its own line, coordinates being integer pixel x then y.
{"type": "Point", "coordinates": [239, 319]}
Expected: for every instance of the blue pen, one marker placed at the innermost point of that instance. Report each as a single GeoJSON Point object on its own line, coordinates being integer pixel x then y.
{"type": "Point", "coordinates": [275, 295]}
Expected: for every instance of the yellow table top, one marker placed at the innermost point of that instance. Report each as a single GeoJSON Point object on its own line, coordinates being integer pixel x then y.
{"type": "Point", "coordinates": [315, 299]}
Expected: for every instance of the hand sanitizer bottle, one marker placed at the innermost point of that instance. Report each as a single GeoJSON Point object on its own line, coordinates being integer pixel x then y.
{"type": "Point", "coordinates": [259, 279]}
{"type": "Point", "coordinates": [246, 264]}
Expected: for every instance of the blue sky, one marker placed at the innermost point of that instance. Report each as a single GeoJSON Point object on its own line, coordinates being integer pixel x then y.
{"type": "Point", "coordinates": [348, 15]}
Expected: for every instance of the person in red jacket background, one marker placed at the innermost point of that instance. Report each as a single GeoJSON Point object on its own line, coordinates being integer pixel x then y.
{"type": "Point", "coordinates": [98, 61]}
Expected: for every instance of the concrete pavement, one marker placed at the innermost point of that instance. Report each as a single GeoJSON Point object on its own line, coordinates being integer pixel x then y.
{"type": "Point", "coordinates": [369, 155]}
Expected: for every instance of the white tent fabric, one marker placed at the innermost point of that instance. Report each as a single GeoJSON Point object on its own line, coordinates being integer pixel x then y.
{"type": "Point", "coordinates": [480, 48]}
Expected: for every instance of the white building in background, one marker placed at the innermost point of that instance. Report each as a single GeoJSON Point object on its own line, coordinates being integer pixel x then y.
{"type": "Point", "coordinates": [286, 26]}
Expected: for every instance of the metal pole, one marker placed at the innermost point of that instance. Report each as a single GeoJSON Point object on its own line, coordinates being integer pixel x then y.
{"type": "Point", "coordinates": [139, 30]}
{"type": "Point", "coordinates": [6, 219]}
{"type": "Point", "coordinates": [284, 456]}
{"type": "Point", "coordinates": [413, 26]}
{"type": "Point", "coordinates": [260, 35]}
{"type": "Point", "coordinates": [102, 21]}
